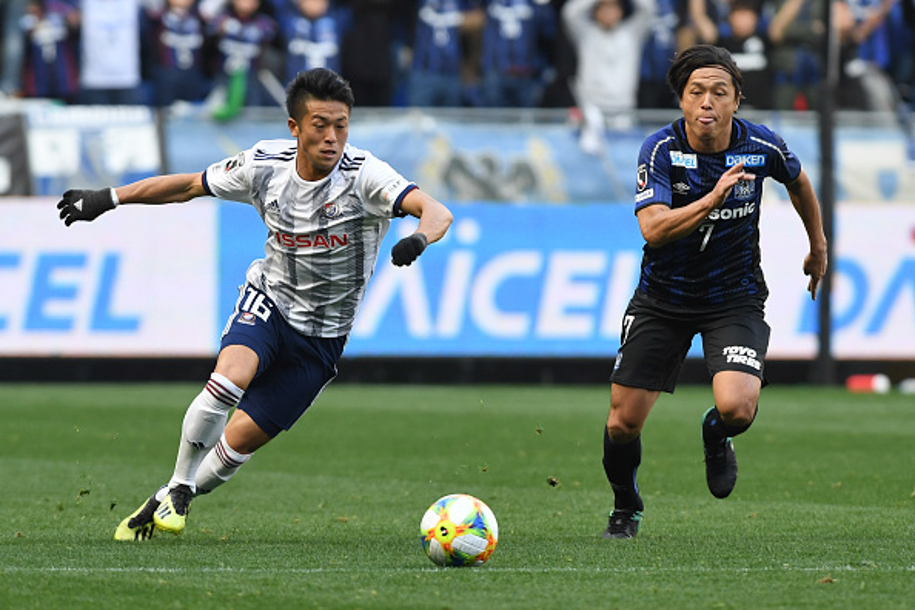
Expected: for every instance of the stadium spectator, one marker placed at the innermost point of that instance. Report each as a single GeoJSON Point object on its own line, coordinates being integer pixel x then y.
{"type": "Point", "coordinates": [371, 58]}
{"type": "Point", "coordinates": [240, 35]}
{"type": "Point", "coordinates": [515, 52]}
{"type": "Point", "coordinates": [698, 21]}
{"type": "Point", "coordinates": [904, 51]}
{"type": "Point", "coordinates": [562, 65]}
{"type": "Point", "coordinates": [110, 52]}
{"type": "Point", "coordinates": [744, 34]}
{"type": "Point", "coordinates": [609, 36]}
{"type": "Point", "coordinates": [699, 190]}
{"type": "Point", "coordinates": [313, 36]}
{"type": "Point", "coordinates": [327, 206]}
{"type": "Point", "coordinates": [658, 53]}
{"type": "Point", "coordinates": [438, 51]}
{"type": "Point", "coordinates": [796, 33]}
{"type": "Point", "coordinates": [174, 37]}
{"type": "Point", "coordinates": [50, 67]}
{"type": "Point", "coordinates": [13, 47]}
{"type": "Point", "coordinates": [865, 82]}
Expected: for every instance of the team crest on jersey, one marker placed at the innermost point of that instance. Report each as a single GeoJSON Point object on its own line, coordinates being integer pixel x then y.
{"type": "Point", "coordinates": [332, 209]}
{"type": "Point", "coordinates": [246, 317]}
{"type": "Point", "coordinates": [681, 159]}
{"type": "Point", "coordinates": [235, 162]}
{"type": "Point", "coordinates": [642, 176]}
{"type": "Point", "coordinates": [745, 189]}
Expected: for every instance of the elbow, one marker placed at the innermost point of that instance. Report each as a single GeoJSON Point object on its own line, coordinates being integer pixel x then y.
{"type": "Point", "coordinates": [447, 219]}
{"type": "Point", "coordinates": [654, 239]}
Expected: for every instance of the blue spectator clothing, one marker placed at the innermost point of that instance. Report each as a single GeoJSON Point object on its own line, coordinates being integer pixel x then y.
{"type": "Point", "coordinates": [515, 51]}
{"type": "Point", "coordinates": [174, 43]}
{"type": "Point", "coordinates": [51, 53]}
{"type": "Point", "coordinates": [435, 77]}
{"type": "Point", "coordinates": [437, 39]}
{"type": "Point", "coordinates": [313, 43]}
{"type": "Point", "coordinates": [240, 45]}
{"type": "Point", "coordinates": [658, 53]}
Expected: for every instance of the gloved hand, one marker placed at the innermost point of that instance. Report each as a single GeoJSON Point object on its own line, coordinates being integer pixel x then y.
{"type": "Point", "coordinates": [85, 205]}
{"type": "Point", "coordinates": [407, 249]}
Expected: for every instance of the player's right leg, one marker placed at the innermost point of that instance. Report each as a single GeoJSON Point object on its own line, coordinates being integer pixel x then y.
{"type": "Point", "coordinates": [653, 346]}
{"type": "Point", "coordinates": [629, 408]}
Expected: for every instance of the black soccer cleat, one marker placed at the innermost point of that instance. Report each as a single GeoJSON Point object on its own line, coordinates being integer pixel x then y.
{"type": "Point", "coordinates": [721, 468]}
{"type": "Point", "coordinates": [623, 524]}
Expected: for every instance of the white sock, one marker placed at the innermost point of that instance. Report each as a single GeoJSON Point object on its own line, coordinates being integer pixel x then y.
{"type": "Point", "coordinates": [203, 425]}
{"type": "Point", "coordinates": [219, 466]}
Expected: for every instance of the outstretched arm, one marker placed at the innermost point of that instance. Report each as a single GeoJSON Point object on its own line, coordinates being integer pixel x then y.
{"type": "Point", "coordinates": [805, 202]}
{"type": "Point", "coordinates": [88, 205]}
{"type": "Point", "coordinates": [434, 220]}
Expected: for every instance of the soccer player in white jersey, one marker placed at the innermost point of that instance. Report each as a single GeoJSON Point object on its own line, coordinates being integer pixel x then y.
{"type": "Point", "coordinates": [327, 206]}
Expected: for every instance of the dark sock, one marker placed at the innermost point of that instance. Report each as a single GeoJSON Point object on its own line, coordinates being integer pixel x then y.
{"type": "Point", "coordinates": [715, 430]}
{"type": "Point", "coordinates": [621, 461]}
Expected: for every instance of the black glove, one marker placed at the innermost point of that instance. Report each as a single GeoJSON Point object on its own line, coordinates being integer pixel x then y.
{"type": "Point", "coordinates": [84, 205]}
{"type": "Point", "coordinates": [407, 249]}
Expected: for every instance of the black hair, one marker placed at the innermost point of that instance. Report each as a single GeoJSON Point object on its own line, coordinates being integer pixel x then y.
{"type": "Point", "coordinates": [702, 56]}
{"type": "Point", "coordinates": [317, 84]}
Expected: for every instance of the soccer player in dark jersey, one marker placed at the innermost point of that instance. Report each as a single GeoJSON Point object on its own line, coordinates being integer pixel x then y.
{"type": "Point", "coordinates": [327, 206]}
{"type": "Point", "coordinates": [698, 202]}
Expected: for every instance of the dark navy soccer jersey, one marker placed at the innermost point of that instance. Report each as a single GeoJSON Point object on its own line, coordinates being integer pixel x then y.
{"type": "Point", "coordinates": [719, 262]}
{"type": "Point", "coordinates": [437, 40]}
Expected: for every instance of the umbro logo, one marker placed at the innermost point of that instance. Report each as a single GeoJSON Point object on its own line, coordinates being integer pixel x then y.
{"type": "Point", "coordinates": [681, 188]}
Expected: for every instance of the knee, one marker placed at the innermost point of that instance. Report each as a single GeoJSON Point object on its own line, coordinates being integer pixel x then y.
{"type": "Point", "coordinates": [740, 412]}
{"type": "Point", "coordinates": [621, 429]}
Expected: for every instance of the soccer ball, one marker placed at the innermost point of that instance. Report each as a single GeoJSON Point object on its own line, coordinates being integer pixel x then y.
{"type": "Point", "coordinates": [459, 530]}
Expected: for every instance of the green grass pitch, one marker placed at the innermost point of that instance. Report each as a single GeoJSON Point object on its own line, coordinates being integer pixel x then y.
{"type": "Point", "coordinates": [327, 516]}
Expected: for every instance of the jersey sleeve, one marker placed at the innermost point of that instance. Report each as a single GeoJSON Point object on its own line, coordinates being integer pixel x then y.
{"type": "Point", "coordinates": [382, 188]}
{"type": "Point", "coordinates": [783, 166]}
{"type": "Point", "coordinates": [231, 178]}
{"type": "Point", "coordinates": [653, 174]}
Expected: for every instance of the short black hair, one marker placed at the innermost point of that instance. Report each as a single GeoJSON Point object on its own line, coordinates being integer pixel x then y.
{"type": "Point", "coordinates": [702, 56]}
{"type": "Point", "coordinates": [317, 84]}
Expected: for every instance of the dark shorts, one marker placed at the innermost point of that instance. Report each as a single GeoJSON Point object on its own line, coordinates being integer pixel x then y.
{"type": "Point", "coordinates": [655, 341]}
{"type": "Point", "coordinates": [292, 370]}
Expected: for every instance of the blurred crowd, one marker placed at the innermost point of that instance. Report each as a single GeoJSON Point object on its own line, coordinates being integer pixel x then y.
{"type": "Point", "coordinates": [604, 57]}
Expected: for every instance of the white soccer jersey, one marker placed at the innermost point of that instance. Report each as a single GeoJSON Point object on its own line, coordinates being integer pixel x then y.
{"type": "Point", "coordinates": [323, 237]}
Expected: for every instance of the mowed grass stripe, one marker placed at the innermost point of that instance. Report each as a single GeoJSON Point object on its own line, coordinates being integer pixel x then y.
{"type": "Point", "coordinates": [328, 514]}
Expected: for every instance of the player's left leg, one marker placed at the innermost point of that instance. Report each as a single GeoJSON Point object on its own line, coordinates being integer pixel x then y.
{"type": "Point", "coordinates": [736, 400]}
{"type": "Point", "coordinates": [224, 461]}
{"type": "Point", "coordinates": [735, 347]}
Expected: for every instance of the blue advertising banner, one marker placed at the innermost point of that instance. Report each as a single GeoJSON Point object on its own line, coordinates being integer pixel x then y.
{"type": "Point", "coordinates": [508, 280]}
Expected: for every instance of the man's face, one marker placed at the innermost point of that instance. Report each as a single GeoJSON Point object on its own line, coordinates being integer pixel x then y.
{"type": "Point", "coordinates": [709, 102]}
{"type": "Point", "coordinates": [321, 134]}
{"type": "Point", "coordinates": [313, 9]}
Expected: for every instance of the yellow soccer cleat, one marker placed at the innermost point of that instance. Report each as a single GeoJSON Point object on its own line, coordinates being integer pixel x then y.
{"type": "Point", "coordinates": [171, 515]}
{"type": "Point", "coordinates": [139, 526]}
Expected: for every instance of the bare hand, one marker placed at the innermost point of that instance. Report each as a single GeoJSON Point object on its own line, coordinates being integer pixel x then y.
{"type": "Point", "coordinates": [815, 267]}
{"type": "Point", "coordinates": [727, 181]}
